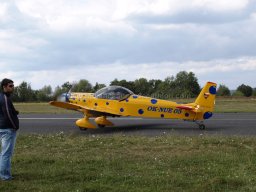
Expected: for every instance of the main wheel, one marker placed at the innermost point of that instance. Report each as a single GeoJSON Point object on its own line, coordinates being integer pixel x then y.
{"type": "Point", "coordinates": [101, 126]}
{"type": "Point", "coordinates": [82, 129]}
{"type": "Point", "coordinates": [202, 126]}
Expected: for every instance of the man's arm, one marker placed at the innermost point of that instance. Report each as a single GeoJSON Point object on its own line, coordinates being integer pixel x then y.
{"type": "Point", "coordinates": [8, 114]}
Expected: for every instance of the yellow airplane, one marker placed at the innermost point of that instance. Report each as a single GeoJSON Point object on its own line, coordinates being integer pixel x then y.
{"type": "Point", "coordinates": [116, 101]}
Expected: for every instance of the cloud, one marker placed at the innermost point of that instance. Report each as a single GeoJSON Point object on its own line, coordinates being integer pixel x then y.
{"type": "Point", "coordinates": [197, 12]}
{"type": "Point", "coordinates": [69, 40]}
{"type": "Point", "coordinates": [3, 8]}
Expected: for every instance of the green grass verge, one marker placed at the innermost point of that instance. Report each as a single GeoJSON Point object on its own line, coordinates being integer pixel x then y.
{"type": "Point", "coordinates": [26, 108]}
{"type": "Point", "coordinates": [223, 105]}
{"type": "Point", "coordinates": [124, 163]}
{"type": "Point", "coordinates": [236, 105]}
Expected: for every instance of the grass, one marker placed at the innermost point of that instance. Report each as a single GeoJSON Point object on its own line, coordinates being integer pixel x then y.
{"type": "Point", "coordinates": [223, 105]}
{"type": "Point", "coordinates": [122, 163]}
{"type": "Point", "coordinates": [26, 108]}
{"type": "Point", "coordinates": [242, 104]}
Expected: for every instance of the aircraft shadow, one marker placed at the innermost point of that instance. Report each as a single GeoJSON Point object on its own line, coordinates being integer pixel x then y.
{"type": "Point", "coordinates": [151, 129]}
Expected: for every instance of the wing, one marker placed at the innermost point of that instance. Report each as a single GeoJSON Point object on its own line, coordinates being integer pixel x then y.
{"type": "Point", "coordinates": [65, 105]}
{"type": "Point", "coordinates": [70, 106]}
{"type": "Point", "coordinates": [83, 109]}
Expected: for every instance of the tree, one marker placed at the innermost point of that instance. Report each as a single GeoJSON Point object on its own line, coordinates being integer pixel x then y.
{"type": "Point", "coordinates": [57, 92]}
{"type": "Point", "coordinates": [165, 89]}
{"type": "Point", "coordinates": [44, 94]}
{"type": "Point", "coordinates": [142, 86]}
{"type": "Point", "coordinates": [254, 92]}
{"type": "Point", "coordinates": [245, 89]}
{"type": "Point", "coordinates": [153, 86]}
{"type": "Point", "coordinates": [24, 93]}
{"type": "Point", "coordinates": [66, 86]}
{"type": "Point", "coordinates": [82, 86]}
{"type": "Point", "coordinates": [98, 87]}
{"type": "Point", "coordinates": [127, 84]}
{"type": "Point", "coordinates": [238, 94]}
{"type": "Point", "coordinates": [223, 91]}
{"type": "Point", "coordinates": [186, 84]}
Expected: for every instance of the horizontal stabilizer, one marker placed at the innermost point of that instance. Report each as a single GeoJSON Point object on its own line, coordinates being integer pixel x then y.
{"type": "Point", "coordinates": [185, 107]}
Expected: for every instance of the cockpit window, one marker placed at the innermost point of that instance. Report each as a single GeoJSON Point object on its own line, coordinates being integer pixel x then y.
{"type": "Point", "coordinates": [113, 93]}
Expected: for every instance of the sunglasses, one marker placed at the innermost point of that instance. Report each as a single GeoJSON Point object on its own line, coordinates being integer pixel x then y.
{"type": "Point", "coordinates": [11, 86]}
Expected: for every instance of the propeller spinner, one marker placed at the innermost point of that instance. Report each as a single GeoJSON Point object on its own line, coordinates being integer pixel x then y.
{"type": "Point", "coordinates": [64, 97]}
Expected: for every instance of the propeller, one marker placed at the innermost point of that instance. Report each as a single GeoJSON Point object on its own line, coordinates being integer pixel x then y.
{"type": "Point", "coordinates": [64, 97]}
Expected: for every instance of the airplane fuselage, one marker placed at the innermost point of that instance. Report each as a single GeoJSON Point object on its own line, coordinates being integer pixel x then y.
{"type": "Point", "coordinates": [135, 105]}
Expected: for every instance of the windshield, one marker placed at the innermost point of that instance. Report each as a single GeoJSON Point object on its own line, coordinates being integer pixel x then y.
{"type": "Point", "coordinates": [113, 93]}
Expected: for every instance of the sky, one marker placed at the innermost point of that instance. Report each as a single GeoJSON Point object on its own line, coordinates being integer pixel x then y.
{"type": "Point", "coordinates": [46, 42]}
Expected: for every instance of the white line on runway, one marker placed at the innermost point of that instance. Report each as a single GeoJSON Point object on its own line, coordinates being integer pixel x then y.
{"type": "Point", "coordinates": [120, 118]}
{"type": "Point", "coordinates": [72, 118]}
{"type": "Point", "coordinates": [45, 118]}
{"type": "Point", "coordinates": [231, 120]}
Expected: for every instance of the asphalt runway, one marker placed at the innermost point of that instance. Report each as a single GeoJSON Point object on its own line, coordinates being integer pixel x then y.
{"type": "Point", "coordinates": [241, 124]}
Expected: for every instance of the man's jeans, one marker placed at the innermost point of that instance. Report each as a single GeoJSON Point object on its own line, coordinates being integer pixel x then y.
{"type": "Point", "coordinates": [8, 139]}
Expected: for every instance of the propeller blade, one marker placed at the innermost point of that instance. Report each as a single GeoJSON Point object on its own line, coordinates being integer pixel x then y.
{"type": "Point", "coordinates": [64, 97]}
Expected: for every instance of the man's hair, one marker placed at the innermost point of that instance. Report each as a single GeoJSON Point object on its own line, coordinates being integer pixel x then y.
{"type": "Point", "coordinates": [5, 82]}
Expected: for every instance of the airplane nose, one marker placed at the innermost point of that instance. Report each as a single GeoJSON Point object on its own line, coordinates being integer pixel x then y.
{"type": "Point", "coordinates": [64, 97]}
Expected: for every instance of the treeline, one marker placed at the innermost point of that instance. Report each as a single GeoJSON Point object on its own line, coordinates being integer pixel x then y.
{"type": "Point", "coordinates": [242, 90]}
{"type": "Point", "coordinates": [183, 85]}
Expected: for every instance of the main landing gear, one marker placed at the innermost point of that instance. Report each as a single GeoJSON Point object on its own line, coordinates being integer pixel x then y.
{"type": "Point", "coordinates": [102, 121]}
{"type": "Point", "coordinates": [84, 123]}
{"type": "Point", "coordinates": [82, 128]}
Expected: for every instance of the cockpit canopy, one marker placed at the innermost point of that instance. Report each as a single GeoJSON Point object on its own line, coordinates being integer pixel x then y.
{"type": "Point", "coordinates": [113, 93]}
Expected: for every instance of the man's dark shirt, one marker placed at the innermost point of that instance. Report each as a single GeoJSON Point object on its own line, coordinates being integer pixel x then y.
{"type": "Point", "coordinates": [8, 114]}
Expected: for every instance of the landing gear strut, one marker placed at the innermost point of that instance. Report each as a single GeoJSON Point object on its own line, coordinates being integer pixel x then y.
{"type": "Point", "coordinates": [201, 125]}
{"type": "Point", "coordinates": [84, 123]}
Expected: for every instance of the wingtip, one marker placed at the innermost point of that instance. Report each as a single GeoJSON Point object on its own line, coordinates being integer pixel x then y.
{"type": "Point", "coordinates": [51, 102]}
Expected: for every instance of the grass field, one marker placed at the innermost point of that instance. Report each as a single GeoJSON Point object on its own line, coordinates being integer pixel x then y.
{"type": "Point", "coordinates": [26, 108]}
{"type": "Point", "coordinates": [121, 163]}
{"type": "Point", "coordinates": [236, 105]}
{"type": "Point", "coordinates": [222, 105]}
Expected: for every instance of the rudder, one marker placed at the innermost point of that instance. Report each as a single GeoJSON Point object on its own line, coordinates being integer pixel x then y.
{"type": "Point", "coordinates": [206, 98]}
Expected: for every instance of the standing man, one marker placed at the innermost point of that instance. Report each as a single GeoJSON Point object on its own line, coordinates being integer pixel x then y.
{"type": "Point", "coordinates": [9, 124]}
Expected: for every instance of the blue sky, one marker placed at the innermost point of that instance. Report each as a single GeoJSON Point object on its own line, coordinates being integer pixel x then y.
{"type": "Point", "coordinates": [47, 42]}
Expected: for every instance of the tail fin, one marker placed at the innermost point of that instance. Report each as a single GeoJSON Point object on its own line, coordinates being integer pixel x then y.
{"type": "Point", "coordinates": [204, 103]}
{"type": "Point", "coordinates": [206, 98]}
